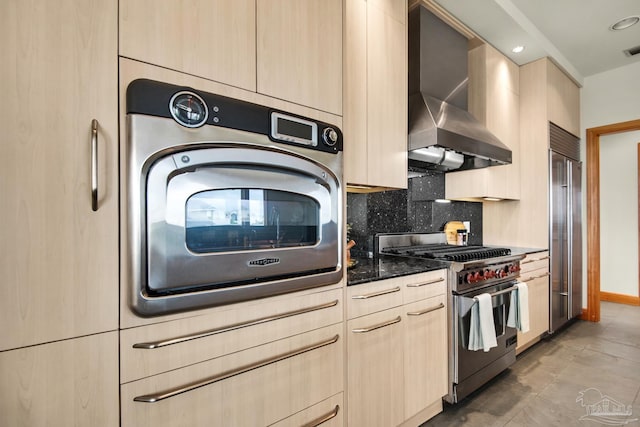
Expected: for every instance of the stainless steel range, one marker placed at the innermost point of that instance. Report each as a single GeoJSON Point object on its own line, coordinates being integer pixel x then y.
{"type": "Point", "coordinates": [473, 270]}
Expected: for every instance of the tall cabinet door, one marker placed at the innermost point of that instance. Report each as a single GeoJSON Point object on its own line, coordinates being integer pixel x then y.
{"type": "Point", "coordinates": [58, 257]}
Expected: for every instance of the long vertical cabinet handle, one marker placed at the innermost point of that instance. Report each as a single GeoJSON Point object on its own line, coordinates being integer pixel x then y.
{"type": "Point", "coordinates": [94, 165]}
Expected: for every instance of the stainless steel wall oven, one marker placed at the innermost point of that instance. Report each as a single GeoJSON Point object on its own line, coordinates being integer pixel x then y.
{"type": "Point", "coordinates": [225, 200]}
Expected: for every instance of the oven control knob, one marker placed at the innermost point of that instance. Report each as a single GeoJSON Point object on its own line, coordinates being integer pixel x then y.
{"type": "Point", "coordinates": [330, 136]}
{"type": "Point", "coordinates": [477, 277]}
{"type": "Point", "coordinates": [489, 274]}
{"type": "Point", "coordinates": [470, 278]}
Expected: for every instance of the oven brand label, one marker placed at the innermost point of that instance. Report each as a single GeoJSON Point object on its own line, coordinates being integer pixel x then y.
{"type": "Point", "coordinates": [264, 261]}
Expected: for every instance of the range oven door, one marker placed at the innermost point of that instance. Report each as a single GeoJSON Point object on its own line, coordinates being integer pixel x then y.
{"type": "Point", "coordinates": [237, 216]}
{"type": "Point", "coordinates": [474, 368]}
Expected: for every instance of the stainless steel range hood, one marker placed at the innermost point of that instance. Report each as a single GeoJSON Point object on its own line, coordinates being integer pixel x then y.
{"type": "Point", "coordinates": [442, 133]}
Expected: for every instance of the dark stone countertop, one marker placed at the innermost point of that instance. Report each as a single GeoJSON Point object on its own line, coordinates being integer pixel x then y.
{"type": "Point", "coordinates": [386, 267]}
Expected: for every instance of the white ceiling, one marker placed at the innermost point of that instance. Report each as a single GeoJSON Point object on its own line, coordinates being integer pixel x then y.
{"type": "Point", "coordinates": [575, 33]}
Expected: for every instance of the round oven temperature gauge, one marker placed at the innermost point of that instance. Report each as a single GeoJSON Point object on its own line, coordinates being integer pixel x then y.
{"type": "Point", "coordinates": [188, 109]}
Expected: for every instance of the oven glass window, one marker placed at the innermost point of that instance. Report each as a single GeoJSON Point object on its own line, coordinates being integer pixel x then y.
{"type": "Point", "coordinates": [245, 219]}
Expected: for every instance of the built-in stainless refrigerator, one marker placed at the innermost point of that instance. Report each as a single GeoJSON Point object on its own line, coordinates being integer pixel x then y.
{"type": "Point", "coordinates": [565, 240]}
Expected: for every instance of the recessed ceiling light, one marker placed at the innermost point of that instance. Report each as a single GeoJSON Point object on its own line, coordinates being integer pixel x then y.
{"type": "Point", "coordinates": [517, 49]}
{"type": "Point", "coordinates": [625, 23]}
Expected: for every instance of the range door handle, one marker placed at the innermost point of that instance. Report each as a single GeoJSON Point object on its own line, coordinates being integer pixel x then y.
{"type": "Point", "coordinates": [157, 397]}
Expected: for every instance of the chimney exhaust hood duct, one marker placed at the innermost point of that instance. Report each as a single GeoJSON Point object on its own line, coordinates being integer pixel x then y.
{"type": "Point", "coordinates": [443, 135]}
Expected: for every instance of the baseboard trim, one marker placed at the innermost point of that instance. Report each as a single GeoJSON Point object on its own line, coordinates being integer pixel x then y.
{"type": "Point", "coordinates": [584, 315]}
{"type": "Point", "coordinates": [619, 298]}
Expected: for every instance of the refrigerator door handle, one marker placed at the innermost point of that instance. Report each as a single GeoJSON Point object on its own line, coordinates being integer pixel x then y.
{"type": "Point", "coordinates": [569, 202]}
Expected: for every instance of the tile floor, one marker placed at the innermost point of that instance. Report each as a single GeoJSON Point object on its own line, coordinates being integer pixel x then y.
{"type": "Point", "coordinates": [543, 387]}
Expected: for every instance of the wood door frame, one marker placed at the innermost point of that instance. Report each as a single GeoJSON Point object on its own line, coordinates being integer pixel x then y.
{"type": "Point", "coordinates": [593, 211]}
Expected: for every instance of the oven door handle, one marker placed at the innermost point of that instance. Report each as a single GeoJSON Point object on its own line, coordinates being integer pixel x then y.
{"type": "Point", "coordinates": [504, 291]}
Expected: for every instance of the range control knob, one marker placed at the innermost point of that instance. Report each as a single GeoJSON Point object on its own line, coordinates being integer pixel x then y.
{"type": "Point", "coordinates": [489, 274]}
{"type": "Point", "coordinates": [330, 136]}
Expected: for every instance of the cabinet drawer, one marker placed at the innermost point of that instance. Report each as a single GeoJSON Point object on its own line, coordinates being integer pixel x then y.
{"type": "Point", "coordinates": [539, 274]}
{"type": "Point", "coordinates": [328, 413]}
{"type": "Point", "coordinates": [257, 386]}
{"type": "Point", "coordinates": [163, 33]}
{"type": "Point", "coordinates": [374, 296]}
{"type": "Point", "coordinates": [425, 354]}
{"type": "Point", "coordinates": [375, 373]}
{"type": "Point", "coordinates": [534, 262]}
{"type": "Point", "coordinates": [425, 285]}
{"type": "Point", "coordinates": [153, 349]}
{"type": "Point", "coordinates": [538, 308]}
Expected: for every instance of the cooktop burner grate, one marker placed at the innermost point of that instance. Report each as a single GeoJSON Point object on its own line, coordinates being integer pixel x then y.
{"type": "Point", "coordinates": [449, 252]}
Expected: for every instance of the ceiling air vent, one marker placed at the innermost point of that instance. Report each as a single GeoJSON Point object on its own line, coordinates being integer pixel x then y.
{"type": "Point", "coordinates": [632, 51]}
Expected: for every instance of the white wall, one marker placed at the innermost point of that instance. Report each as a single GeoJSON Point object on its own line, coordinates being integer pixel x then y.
{"type": "Point", "coordinates": [607, 98]}
{"type": "Point", "coordinates": [619, 213]}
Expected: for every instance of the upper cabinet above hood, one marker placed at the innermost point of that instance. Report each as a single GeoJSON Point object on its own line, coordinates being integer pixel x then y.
{"type": "Point", "coordinates": [442, 133]}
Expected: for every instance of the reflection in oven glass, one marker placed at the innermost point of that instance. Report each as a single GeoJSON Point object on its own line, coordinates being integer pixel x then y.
{"type": "Point", "coordinates": [245, 219]}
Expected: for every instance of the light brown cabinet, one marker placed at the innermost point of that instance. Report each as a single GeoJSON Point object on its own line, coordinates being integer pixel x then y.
{"type": "Point", "coordinates": [494, 92]}
{"type": "Point", "coordinates": [66, 383]}
{"type": "Point", "coordinates": [59, 244]}
{"type": "Point", "coordinates": [397, 362]}
{"type": "Point", "coordinates": [277, 360]}
{"type": "Point", "coordinates": [285, 49]}
{"type": "Point", "coordinates": [535, 273]}
{"type": "Point", "coordinates": [375, 93]}
{"type": "Point", "coordinates": [375, 381]}
{"type": "Point", "coordinates": [59, 257]}
{"type": "Point", "coordinates": [546, 95]}
{"type": "Point", "coordinates": [425, 354]}
{"type": "Point", "coordinates": [211, 39]}
{"type": "Point", "coordinates": [299, 52]}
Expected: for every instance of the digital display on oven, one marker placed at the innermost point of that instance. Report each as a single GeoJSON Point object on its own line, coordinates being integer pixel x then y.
{"type": "Point", "coordinates": [287, 127]}
{"type": "Point", "coordinates": [293, 129]}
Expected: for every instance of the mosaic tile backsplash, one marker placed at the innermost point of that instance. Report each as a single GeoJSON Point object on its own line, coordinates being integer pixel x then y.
{"type": "Point", "coordinates": [414, 210]}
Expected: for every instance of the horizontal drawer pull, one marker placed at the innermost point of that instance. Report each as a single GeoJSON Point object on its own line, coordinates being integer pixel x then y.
{"type": "Point", "coordinates": [378, 326]}
{"type": "Point", "coordinates": [535, 277]}
{"type": "Point", "coordinates": [377, 294]}
{"type": "Point", "coordinates": [534, 260]}
{"type": "Point", "coordinates": [430, 282]}
{"type": "Point", "coordinates": [428, 310]}
{"type": "Point", "coordinates": [153, 398]}
{"type": "Point", "coordinates": [171, 341]}
{"type": "Point", "coordinates": [324, 418]}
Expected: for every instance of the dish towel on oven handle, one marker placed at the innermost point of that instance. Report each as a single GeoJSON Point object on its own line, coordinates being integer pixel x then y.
{"type": "Point", "coordinates": [482, 332]}
{"type": "Point", "coordinates": [519, 308]}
